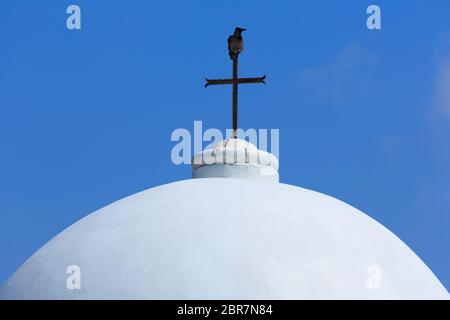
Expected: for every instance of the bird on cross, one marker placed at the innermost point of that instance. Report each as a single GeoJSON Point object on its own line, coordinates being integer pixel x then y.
{"type": "Point", "coordinates": [235, 47]}
{"type": "Point", "coordinates": [236, 43]}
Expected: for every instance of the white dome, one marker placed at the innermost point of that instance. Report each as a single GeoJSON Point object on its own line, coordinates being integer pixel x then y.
{"type": "Point", "coordinates": [229, 238]}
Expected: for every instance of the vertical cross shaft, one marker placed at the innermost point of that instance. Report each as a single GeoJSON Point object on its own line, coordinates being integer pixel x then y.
{"type": "Point", "coordinates": [235, 96]}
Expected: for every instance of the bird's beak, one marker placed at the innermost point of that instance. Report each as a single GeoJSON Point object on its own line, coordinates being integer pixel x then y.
{"type": "Point", "coordinates": [243, 29]}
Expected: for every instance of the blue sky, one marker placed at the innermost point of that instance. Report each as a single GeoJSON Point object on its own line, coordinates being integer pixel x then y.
{"type": "Point", "coordinates": [86, 116]}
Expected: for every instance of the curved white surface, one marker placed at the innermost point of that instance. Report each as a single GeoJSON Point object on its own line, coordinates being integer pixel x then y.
{"type": "Point", "coordinates": [226, 239]}
{"type": "Point", "coordinates": [234, 151]}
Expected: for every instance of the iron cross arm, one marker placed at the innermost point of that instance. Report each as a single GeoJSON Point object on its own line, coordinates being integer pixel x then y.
{"type": "Point", "coordinates": [212, 82]}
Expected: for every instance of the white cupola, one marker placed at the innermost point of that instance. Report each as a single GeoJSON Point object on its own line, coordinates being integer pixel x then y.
{"type": "Point", "coordinates": [235, 158]}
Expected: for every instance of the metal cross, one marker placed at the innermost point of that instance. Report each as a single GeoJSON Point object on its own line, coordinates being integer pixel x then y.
{"type": "Point", "coordinates": [235, 81]}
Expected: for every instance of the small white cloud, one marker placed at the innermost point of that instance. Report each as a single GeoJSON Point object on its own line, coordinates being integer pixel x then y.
{"type": "Point", "coordinates": [337, 79]}
{"type": "Point", "coordinates": [441, 94]}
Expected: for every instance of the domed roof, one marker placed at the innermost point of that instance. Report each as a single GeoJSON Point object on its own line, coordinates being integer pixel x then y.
{"type": "Point", "coordinates": [220, 238]}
